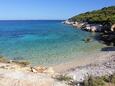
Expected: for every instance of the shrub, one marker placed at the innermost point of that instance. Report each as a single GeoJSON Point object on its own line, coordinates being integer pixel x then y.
{"type": "Point", "coordinates": [22, 63]}
{"type": "Point", "coordinates": [2, 59]}
{"type": "Point", "coordinates": [63, 78]}
{"type": "Point", "coordinates": [105, 78]}
{"type": "Point", "coordinates": [91, 81]}
{"type": "Point", "coordinates": [97, 16]}
{"type": "Point", "coordinates": [112, 78]}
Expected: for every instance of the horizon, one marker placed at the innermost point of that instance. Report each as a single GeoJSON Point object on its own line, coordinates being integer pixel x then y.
{"type": "Point", "coordinates": [31, 19]}
{"type": "Point", "coordinates": [48, 10]}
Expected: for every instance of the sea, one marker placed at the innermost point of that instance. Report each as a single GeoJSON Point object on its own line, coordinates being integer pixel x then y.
{"type": "Point", "coordinates": [44, 42]}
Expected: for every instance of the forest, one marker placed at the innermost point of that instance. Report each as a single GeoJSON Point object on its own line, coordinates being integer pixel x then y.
{"type": "Point", "coordinates": [106, 14]}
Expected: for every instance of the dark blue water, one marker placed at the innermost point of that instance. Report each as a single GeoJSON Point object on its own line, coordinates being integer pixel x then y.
{"type": "Point", "coordinates": [43, 42]}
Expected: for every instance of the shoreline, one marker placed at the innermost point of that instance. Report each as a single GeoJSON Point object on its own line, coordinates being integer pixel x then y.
{"type": "Point", "coordinates": [78, 69]}
{"type": "Point", "coordinates": [85, 26]}
{"type": "Point", "coordinates": [90, 59]}
{"type": "Point", "coordinates": [101, 64]}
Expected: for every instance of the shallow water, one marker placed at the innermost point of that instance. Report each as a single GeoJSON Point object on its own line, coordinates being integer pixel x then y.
{"type": "Point", "coordinates": [44, 42]}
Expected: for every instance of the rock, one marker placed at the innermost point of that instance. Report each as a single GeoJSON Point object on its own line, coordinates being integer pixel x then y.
{"type": "Point", "coordinates": [33, 70]}
{"type": "Point", "coordinates": [78, 24]}
{"type": "Point", "coordinates": [88, 28]}
{"type": "Point", "coordinates": [93, 28]}
{"type": "Point", "coordinates": [41, 69]}
{"type": "Point", "coordinates": [87, 40]}
{"type": "Point", "coordinates": [49, 71]}
{"type": "Point", "coordinates": [68, 22]}
{"type": "Point", "coordinates": [113, 27]}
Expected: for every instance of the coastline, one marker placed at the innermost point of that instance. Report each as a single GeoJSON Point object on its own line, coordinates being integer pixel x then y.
{"type": "Point", "coordinates": [77, 69]}
{"type": "Point", "coordinates": [85, 26]}
{"type": "Point", "coordinates": [80, 63]}
{"type": "Point", "coordinates": [90, 59]}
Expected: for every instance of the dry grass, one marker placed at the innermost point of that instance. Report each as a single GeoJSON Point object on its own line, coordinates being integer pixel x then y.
{"type": "Point", "coordinates": [63, 78]}
{"type": "Point", "coordinates": [100, 81]}
{"type": "Point", "coordinates": [21, 63]}
{"type": "Point", "coordinates": [2, 59]}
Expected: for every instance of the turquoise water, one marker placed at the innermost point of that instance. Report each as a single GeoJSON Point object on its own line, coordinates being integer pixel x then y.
{"type": "Point", "coordinates": [44, 42]}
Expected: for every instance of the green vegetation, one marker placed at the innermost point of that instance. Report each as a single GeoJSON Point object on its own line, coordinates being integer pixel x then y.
{"type": "Point", "coordinates": [105, 17]}
{"type": "Point", "coordinates": [63, 78]}
{"type": "Point", "coordinates": [2, 59]}
{"type": "Point", "coordinates": [112, 79]}
{"type": "Point", "coordinates": [97, 16]}
{"type": "Point", "coordinates": [22, 63]}
{"type": "Point", "coordinates": [19, 62]}
{"type": "Point", "coordinates": [91, 81]}
{"type": "Point", "coordinates": [99, 81]}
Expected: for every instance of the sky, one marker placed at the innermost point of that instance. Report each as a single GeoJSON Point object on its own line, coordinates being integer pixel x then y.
{"type": "Point", "coordinates": [48, 9]}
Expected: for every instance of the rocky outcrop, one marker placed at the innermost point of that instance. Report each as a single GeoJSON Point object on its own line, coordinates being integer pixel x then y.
{"type": "Point", "coordinates": [93, 27]}
{"type": "Point", "coordinates": [79, 24]}
{"type": "Point", "coordinates": [68, 22]}
{"type": "Point", "coordinates": [113, 28]}
{"type": "Point", "coordinates": [41, 69]}
{"type": "Point", "coordinates": [85, 26]}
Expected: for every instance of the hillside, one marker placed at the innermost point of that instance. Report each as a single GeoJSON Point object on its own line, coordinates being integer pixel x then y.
{"type": "Point", "coordinates": [97, 16]}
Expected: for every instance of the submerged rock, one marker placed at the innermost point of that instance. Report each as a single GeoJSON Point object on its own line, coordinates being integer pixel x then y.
{"type": "Point", "coordinates": [86, 40]}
